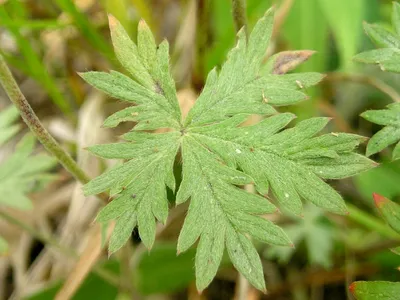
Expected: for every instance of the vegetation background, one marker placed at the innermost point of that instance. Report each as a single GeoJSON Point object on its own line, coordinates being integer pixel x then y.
{"type": "Point", "coordinates": [54, 248]}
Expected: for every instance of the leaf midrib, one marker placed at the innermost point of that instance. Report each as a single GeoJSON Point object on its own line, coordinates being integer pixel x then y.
{"type": "Point", "coordinates": [219, 100]}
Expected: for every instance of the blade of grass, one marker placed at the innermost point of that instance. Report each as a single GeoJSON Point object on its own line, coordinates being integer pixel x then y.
{"type": "Point", "coordinates": [16, 63]}
{"type": "Point", "coordinates": [119, 9]}
{"type": "Point", "coordinates": [85, 27]}
{"type": "Point", "coordinates": [35, 67]}
{"type": "Point", "coordinates": [145, 13]}
{"type": "Point", "coordinates": [32, 24]}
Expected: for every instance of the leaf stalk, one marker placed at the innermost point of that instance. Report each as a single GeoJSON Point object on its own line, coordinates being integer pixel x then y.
{"type": "Point", "coordinates": [28, 115]}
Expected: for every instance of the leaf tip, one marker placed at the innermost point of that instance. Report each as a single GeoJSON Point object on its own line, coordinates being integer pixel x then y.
{"type": "Point", "coordinates": [370, 151]}
{"type": "Point", "coordinates": [112, 21]}
{"type": "Point", "coordinates": [142, 24]}
{"type": "Point", "coordinates": [270, 11]}
{"type": "Point", "coordinates": [352, 287]}
{"type": "Point", "coordinates": [379, 200]}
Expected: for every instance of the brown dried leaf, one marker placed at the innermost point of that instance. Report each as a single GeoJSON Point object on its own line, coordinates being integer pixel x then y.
{"type": "Point", "coordinates": [286, 61]}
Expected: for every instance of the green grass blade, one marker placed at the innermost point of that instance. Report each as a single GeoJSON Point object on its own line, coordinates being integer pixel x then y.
{"type": "Point", "coordinates": [35, 66]}
{"type": "Point", "coordinates": [87, 29]}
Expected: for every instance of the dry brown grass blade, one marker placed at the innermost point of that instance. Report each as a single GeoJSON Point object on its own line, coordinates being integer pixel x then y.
{"type": "Point", "coordinates": [82, 210]}
{"type": "Point", "coordinates": [88, 259]}
{"type": "Point", "coordinates": [19, 261]}
{"type": "Point", "coordinates": [280, 17]}
{"type": "Point", "coordinates": [186, 98]}
{"type": "Point", "coordinates": [184, 49]}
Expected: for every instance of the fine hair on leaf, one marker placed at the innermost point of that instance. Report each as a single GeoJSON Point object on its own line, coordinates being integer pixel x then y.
{"type": "Point", "coordinates": [288, 164]}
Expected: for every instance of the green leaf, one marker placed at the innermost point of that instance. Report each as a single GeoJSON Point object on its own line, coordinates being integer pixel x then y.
{"type": "Point", "coordinates": [217, 152]}
{"type": "Point", "coordinates": [245, 258]}
{"type": "Point", "coordinates": [390, 134]}
{"type": "Point", "coordinates": [122, 231]}
{"type": "Point", "coordinates": [21, 172]}
{"type": "Point", "coordinates": [381, 36]}
{"type": "Point", "coordinates": [7, 129]}
{"type": "Point", "coordinates": [292, 162]}
{"type": "Point", "coordinates": [389, 210]}
{"type": "Point", "coordinates": [8, 116]}
{"type": "Point", "coordinates": [388, 57]}
{"type": "Point", "coordinates": [152, 109]}
{"type": "Point", "coordinates": [315, 232]}
{"type": "Point", "coordinates": [140, 182]}
{"type": "Point", "coordinates": [375, 290]}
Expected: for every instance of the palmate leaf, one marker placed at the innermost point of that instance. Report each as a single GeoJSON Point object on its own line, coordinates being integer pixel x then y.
{"type": "Point", "coordinates": [317, 235]}
{"type": "Point", "coordinates": [388, 57]}
{"type": "Point", "coordinates": [21, 172]}
{"type": "Point", "coordinates": [7, 127]}
{"type": "Point", "coordinates": [218, 153]}
{"type": "Point", "coordinates": [389, 134]}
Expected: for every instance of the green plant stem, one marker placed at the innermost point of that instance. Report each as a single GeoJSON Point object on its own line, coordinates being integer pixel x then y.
{"type": "Point", "coordinates": [48, 240]}
{"type": "Point", "coordinates": [239, 15]}
{"type": "Point", "coordinates": [371, 223]}
{"type": "Point", "coordinates": [364, 79]}
{"type": "Point", "coordinates": [28, 115]}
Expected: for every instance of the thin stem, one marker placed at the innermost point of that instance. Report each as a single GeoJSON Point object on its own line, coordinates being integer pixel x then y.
{"type": "Point", "coordinates": [242, 288]}
{"type": "Point", "coordinates": [364, 79]}
{"type": "Point", "coordinates": [239, 15]}
{"type": "Point", "coordinates": [281, 16]}
{"type": "Point", "coordinates": [28, 115]}
{"type": "Point", "coordinates": [371, 222]}
{"type": "Point", "coordinates": [48, 240]}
